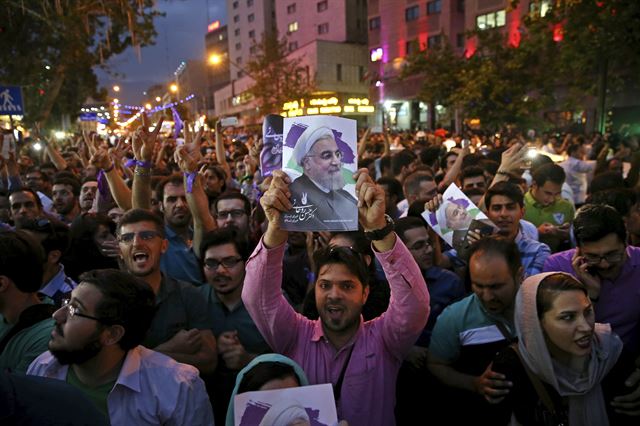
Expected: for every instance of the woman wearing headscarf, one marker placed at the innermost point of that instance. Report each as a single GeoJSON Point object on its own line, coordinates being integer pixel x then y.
{"type": "Point", "coordinates": [562, 356]}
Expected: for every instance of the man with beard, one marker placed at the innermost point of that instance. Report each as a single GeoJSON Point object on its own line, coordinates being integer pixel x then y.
{"type": "Point", "coordinates": [88, 192]}
{"type": "Point", "coordinates": [181, 327]}
{"type": "Point", "coordinates": [238, 338]}
{"type": "Point", "coordinates": [25, 324]}
{"type": "Point", "coordinates": [25, 206]}
{"type": "Point", "coordinates": [361, 359]}
{"type": "Point", "coordinates": [320, 186]}
{"type": "Point", "coordinates": [95, 346]}
{"type": "Point", "coordinates": [233, 210]}
{"type": "Point", "coordinates": [66, 191]}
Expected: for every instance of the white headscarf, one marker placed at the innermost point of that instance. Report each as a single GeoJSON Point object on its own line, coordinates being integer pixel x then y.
{"type": "Point", "coordinates": [308, 138]}
{"type": "Point", "coordinates": [283, 413]}
{"type": "Point", "coordinates": [586, 402]}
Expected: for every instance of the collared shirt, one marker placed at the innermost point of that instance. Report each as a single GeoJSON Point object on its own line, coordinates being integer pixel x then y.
{"type": "Point", "coordinates": [379, 345]}
{"type": "Point", "coordinates": [237, 319]}
{"type": "Point", "coordinates": [532, 254]}
{"type": "Point", "coordinates": [26, 344]}
{"type": "Point", "coordinates": [578, 173]}
{"type": "Point", "coordinates": [179, 261]}
{"type": "Point", "coordinates": [179, 306]}
{"type": "Point", "coordinates": [558, 213]}
{"type": "Point", "coordinates": [151, 389]}
{"type": "Point", "coordinates": [58, 287]}
{"type": "Point", "coordinates": [467, 336]}
{"type": "Point", "coordinates": [619, 299]}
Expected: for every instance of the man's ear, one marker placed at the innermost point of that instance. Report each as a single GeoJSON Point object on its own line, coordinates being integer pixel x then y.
{"type": "Point", "coordinates": [165, 245]}
{"type": "Point", "coordinates": [113, 334]}
{"type": "Point", "coordinates": [54, 257]}
{"type": "Point", "coordinates": [5, 282]}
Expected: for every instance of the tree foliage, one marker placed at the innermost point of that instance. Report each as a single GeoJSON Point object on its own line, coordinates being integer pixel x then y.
{"type": "Point", "coordinates": [50, 48]}
{"type": "Point", "coordinates": [277, 77]}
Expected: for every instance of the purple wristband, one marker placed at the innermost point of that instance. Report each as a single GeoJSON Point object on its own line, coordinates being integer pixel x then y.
{"type": "Point", "coordinates": [191, 177]}
{"type": "Point", "coordinates": [134, 162]}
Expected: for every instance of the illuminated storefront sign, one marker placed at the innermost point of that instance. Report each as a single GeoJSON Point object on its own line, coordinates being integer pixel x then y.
{"type": "Point", "coordinates": [376, 54]}
{"type": "Point", "coordinates": [332, 104]}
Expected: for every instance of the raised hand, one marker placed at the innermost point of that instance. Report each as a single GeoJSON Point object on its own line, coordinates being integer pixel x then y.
{"type": "Point", "coordinates": [513, 158]}
{"type": "Point", "coordinates": [371, 205]}
{"type": "Point", "coordinates": [188, 155]}
{"type": "Point", "coordinates": [144, 140]}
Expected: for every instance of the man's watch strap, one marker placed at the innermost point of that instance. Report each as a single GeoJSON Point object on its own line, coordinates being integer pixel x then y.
{"type": "Point", "coordinates": [379, 234]}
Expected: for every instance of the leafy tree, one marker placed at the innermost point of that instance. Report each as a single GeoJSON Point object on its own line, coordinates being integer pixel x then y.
{"type": "Point", "coordinates": [277, 77]}
{"type": "Point", "coordinates": [50, 48]}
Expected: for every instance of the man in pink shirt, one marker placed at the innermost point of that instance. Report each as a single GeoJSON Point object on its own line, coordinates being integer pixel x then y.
{"type": "Point", "coordinates": [361, 359]}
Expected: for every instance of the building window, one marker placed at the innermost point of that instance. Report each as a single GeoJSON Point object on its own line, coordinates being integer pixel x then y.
{"type": "Point", "coordinates": [411, 47]}
{"type": "Point", "coordinates": [249, 3]}
{"type": "Point", "coordinates": [252, 50]}
{"type": "Point", "coordinates": [236, 32]}
{"type": "Point", "coordinates": [540, 8]}
{"type": "Point", "coordinates": [293, 46]}
{"type": "Point", "coordinates": [252, 34]}
{"type": "Point", "coordinates": [293, 27]}
{"type": "Point", "coordinates": [221, 37]}
{"type": "Point", "coordinates": [251, 17]}
{"type": "Point", "coordinates": [460, 40]}
{"type": "Point", "coordinates": [374, 23]}
{"type": "Point", "coordinates": [434, 7]}
{"type": "Point", "coordinates": [411, 13]}
{"type": "Point", "coordinates": [339, 72]}
{"type": "Point", "coordinates": [491, 20]}
{"type": "Point", "coordinates": [460, 6]}
{"type": "Point", "coordinates": [235, 4]}
{"type": "Point", "coordinates": [238, 46]}
{"type": "Point", "coordinates": [236, 18]}
{"type": "Point", "coordinates": [361, 73]}
{"type": "Point", "coordinates": [322, 6]}
{"type": "Point", "coordinates": [376, 54]}
{"type": "Point", "coordinates": [239, 60]}
{"type": "Point", "coordinates": [240, 74]}
{"type": "Point", "coordinates": [291, 9]}
{"type": "Point", "coordinates": [434, 41]}
{"type": "Point", "coordinates": [323, 28]}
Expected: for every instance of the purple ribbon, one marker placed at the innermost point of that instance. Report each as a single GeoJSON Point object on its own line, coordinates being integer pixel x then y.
{"type": "Point", "coordinates": [191, 177]}
{"type": "Point", "coordinates": [131, 163]}
{"type": "Point", "coordinates": [103, 186]}
{"type": "Point", "coordinates": [134, 162]}
{"type": "Point", "coordinates": [178, 123]}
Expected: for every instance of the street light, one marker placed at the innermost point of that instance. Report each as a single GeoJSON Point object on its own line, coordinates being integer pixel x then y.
{"type": "Point", "coordinates": [214, 59]}
{"type": "Point", "coordinates": [116, 88]}
{"type": "Point", "coordinates": [148, 106]}
{"type": "Point", "coordinates": [173, 88]}
{"type": "Point", "coordinates": [158, 99]}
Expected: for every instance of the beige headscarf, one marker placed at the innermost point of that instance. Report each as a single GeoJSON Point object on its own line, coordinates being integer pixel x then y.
{"type": "Point", "coordinates": [586, 402]}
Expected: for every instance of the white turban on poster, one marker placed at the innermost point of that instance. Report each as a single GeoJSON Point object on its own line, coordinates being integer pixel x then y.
{"type": "Point", "coordinates": [308, 138]}
{"type": "Point", "coordinates": [285, 413]}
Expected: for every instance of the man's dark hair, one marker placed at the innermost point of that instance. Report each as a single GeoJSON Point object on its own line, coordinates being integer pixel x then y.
{"type": "Point", "coordinates": [401, 159]}
{"type": "Point", "coordinates": [471, 172]}
{"type": "Point", "coordinates": [549, 172]}
{"type": "Point", "coordinates": [394, 186]}
{"type": "Point", "coordinates": [472, 160]}
{"type": "Point", "coordinates": [141, 215]}
{"type": "Point", "coordinates": [606, 181]}
{"type": "Point", "coordinates": [48, 166]}
{"type": "Point", "coordinates": [234, 195]}
{"type": "Point", "coordinates": [88, 179]}
{"type": "Point", "coordinates": [126, 300]}
{"type": "Point", "coordinates": [223, 236]}
{"type": "Point", "coordinates": [404, 224]}
{"type": "Point", "coordinates": [359, 242]}
{"type": "Point", "coordinates": [56, 235]}
{"type": "Point", "coordinates": [490, 166]}
{"type": "Point", "coordinates": [36, 169]}
{"type": "Point", "coordinates": [264, 372]}
{"type": "Point", "coordinates": [21, 260]}
{"type": "Point", "coordinates": [174, 179]}
{"type": "Point", "coordinates": [37, 199]}
{"type": "Point", "coordinates": [539, 161]}
{"type": "Point", "coordinates": [411, 184]}
{"type": "Point", "coordinates": [497, 245]}
{"type": "Point", "coordinates": [506, 189]}
{"type": "Point", "coordinates": [621, 199]}
{"type": "Point", "coordinates": [443, 159]}
{"type": "Point", "coordinates": [595, 221]}
{"type": "Point", "coordinates": [573, 147]}
{"type": "Point", "coordinates": [430, 155]}
{"type": "Point", "coordinates": [72, 182]}
{"type": "Point", "coordinates": [346, 256]}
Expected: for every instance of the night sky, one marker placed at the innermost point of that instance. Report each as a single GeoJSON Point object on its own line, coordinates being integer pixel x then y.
{"type": "Point", "coordinates": [180, 37]}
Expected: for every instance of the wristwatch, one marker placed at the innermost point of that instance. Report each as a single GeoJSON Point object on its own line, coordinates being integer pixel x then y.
{"type": "Point", "coordinates": [379, 234]}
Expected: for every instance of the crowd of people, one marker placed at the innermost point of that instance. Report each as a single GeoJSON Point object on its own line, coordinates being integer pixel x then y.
{"type": "Point", "coordinates": [146, 280]}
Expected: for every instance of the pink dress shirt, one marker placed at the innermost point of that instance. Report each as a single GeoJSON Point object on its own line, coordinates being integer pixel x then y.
{"type": "Point", "coordinates": [379, 346]}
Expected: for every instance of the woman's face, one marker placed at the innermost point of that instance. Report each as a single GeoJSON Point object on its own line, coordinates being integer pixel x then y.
{"type": "Point", "coordinates": [457, 217]}
{"type": "Point", "coordinates": [568, 325]}
{"type": "Point", "coordinates": [103, 234]}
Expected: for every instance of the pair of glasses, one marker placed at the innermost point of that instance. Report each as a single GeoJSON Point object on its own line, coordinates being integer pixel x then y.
{"type": "Point", "coordinates": [328, 155]}
{"type": "Point", "coordinates": [235, 214]}
{"type": "Point", "coordinates": [72, 311]}
{"type": "Point", "coordinates": [128, 237]}
{"type": "Point", "coordinates": [421, 245]}
{"type": "Point", "coordinates": [594, 259]}
{"type": "Point", "coordinates": [227, 262]}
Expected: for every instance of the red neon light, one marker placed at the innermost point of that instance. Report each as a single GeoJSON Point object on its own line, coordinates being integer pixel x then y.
{"type": "Point", "coordinates": [558, 32]}
{"type": "Point", "coordinates": [213, 26]}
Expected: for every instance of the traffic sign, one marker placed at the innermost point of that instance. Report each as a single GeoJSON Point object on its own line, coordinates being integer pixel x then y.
{"type": "Point", "coordinates": [11, 100]}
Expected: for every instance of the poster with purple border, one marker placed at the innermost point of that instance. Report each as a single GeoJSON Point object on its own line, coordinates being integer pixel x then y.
{"type": "Point", "coordinates": [319, 155]}
{"type": "Point", "coordinates": [271, 154]}
{"type": "Point", "coordinates": [306, 405]}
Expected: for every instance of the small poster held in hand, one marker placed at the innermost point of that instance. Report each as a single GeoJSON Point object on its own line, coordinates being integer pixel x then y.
{"type": "Point", "coordinates": [319, 155]}
{"type": "Point", "coordinates": [306, 405]}
{"type": "Point", "coordinates": [456, 216]}
{"type": "Point", "coordinates": [271, 155]}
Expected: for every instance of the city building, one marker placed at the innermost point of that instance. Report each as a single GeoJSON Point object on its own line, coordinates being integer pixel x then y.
{"type": "Point", "coordinates": [218, 72]}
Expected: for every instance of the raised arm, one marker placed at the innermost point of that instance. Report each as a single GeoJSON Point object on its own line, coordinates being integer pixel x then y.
{"type": "Point", "coordinates": [143, 143]}
{"type": "Point", "coordinates": [454, 171]}
{"type": "Point", "coordinates": [510, 164]}
{"type": "Point", "coordinates": [119, 189]}
{"type": "Point", "coordinates": [362, 144]}
{"type": "Point", "coordinates": [221, 155]}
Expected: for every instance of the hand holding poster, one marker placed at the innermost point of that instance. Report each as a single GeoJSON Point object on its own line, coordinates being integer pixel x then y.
{"type": "Point", "coordinates": [319, 157]}
{"type": "Point", "coordinates": [300, 406]}
{"type": "Point", "coordinates": [455, 216]}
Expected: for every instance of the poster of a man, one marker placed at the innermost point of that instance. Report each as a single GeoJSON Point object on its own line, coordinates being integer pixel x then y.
{"type": "Point", "coordinates": [319, 157]}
